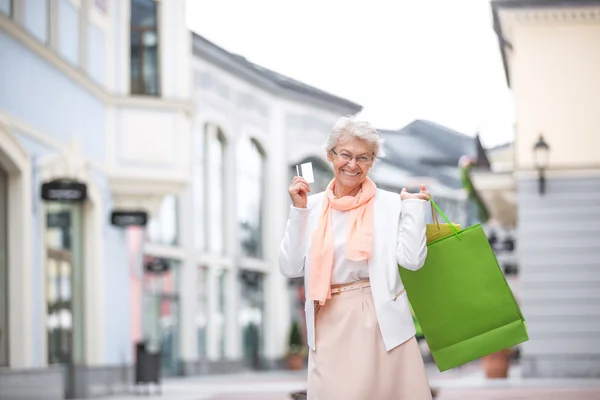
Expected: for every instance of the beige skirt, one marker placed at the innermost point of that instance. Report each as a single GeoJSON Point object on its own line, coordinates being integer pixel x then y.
{"type": "Point", "coordinates": [350, 361]}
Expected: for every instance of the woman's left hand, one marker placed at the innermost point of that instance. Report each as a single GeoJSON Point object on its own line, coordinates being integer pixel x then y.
{"type": "Point", "coordinates": [422, 195]}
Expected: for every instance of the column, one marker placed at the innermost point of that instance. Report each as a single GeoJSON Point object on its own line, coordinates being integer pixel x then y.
{"type": "Point", "coordinates": [233, 343]}
{"type": "Point", "coordinates": [277, 303]}
{"type": "Point", "coordinates": [213, 347]}
{"type": "Point", "coordinates": [188, 286]}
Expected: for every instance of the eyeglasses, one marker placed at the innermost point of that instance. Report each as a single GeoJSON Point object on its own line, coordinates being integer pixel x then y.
{"type": "Point", "coordinates": [348, 157]}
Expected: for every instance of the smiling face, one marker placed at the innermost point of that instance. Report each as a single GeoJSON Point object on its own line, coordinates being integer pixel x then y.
{"type": "Point", "coordinates": [350, 174]}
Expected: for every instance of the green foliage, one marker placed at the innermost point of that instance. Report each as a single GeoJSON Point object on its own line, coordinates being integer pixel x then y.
{"type": "Point", "coordinates": [482, 211]}
{"type": "Point", "coordinates": [295, 342]}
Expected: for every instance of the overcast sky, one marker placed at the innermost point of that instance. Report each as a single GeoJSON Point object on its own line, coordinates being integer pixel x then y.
{"type": "Point", "coordinates": [400, 59]}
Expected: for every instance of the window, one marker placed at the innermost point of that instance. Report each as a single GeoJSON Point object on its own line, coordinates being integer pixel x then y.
{"type": "Point", "coordinates": [75, 30]}
{"type": "Point", "coordinates": [216, 195]}
{"type": "Point", "coordinates": [251, 316]}
{"type": "Point", "coordinates": [202, 311]}
{"type": "Point", "coordinates": [250, 183]}
{"type": "Point", "coordinates": [6, 7]}
{"type": "Point", "coordinates": [68, 31]}
{"type": "Point", "coordinates": [144, 48]}
{"type": "Point", "coordinates": [164, 228]}
{"type": "Point", "coordinates": [36, 19]}
{"type": "Point", "coordinates": [161, 315]}
{"type": "Point", "coordinates": [96, 53]}
{"type": "Point", "coordinates": [199, 179]}
{"type": "Point", "coordinates": [64, 279]}
{"type": "Point", "coordinates": [220, 316]}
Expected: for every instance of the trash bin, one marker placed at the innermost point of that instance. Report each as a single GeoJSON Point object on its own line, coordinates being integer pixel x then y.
{"type": "Point", "coordinates": [298, 395]}
{"type": "Point", "coordinates": [147, 367]}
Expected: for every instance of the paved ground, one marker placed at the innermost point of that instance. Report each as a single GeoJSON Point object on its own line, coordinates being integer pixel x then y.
{"type": "Point", "coordinates": [467, 383]}
{"type": "Point", "coordinates": [472, 385]}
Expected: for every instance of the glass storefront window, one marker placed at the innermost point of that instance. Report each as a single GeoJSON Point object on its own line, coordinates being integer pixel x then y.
{"type": "Point", "coordinates": [199, 182]}
{"type": "Point", "coordinates": [161, 316]}
{"type": "Point", "coordinates": [251, 316]}
{"type": "Point", "coordinates": [216, 195]}
{"type": "Point", "coordinates": [3, 268]}
{"type": "Point", "coordinates": [250, 184]}
{"type": "Point", "coordinates": [64, 284]}
{"type": "Point", "coordinates": [202, 311]}
{"type": "Point", "coordinates": [164, 227]}
{"type": "Point", "coordinates": [219, 317]}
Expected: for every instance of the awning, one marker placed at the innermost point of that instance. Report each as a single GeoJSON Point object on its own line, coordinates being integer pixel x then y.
{"type": "Point", "coordinates": [498, 191]}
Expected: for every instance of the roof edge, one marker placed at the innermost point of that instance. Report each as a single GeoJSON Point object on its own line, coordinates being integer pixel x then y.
{"type": "Point", "coordinates": [502, 43]}
{"type": "Point", "coordinates": [497, 26]}
{"type": "Point", "coordinates": [264, 77]}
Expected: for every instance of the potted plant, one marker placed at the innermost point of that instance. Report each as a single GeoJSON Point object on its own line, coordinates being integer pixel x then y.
{"type": "Point", "coordinates": [296, 350]}
{"type": "Point", "coordinates": [496, 364]}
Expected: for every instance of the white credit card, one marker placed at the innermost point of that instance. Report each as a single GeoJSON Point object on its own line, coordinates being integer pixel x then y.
{"type": "Point", "coordinates": [305, 170]}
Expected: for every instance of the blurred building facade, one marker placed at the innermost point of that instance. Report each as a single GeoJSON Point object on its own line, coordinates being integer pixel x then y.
{"type": "Point", "coordinates": [119, 99]}
{"type": "Point", "coordinates": [222, 234]}
{"type": "Point", "coordinates": [95, 108]}
{"type": "Point", "coordinates": [496, 188]}
{"type": "Point", "coordinates": [427, 153]}
{"type": "Point", "coordinates": [551, 55]}
{"type": "Point", "coordinates": [226, 308]}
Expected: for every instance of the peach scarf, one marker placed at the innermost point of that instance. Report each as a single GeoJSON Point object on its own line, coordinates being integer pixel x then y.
{"type": "Point", "coordinates": [359, 241]}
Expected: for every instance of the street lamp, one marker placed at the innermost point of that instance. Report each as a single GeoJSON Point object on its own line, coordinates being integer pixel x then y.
{"type": "Point", "coordinates": [541, 157]}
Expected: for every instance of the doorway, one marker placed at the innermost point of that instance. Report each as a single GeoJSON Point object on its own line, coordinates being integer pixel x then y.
{"type": "Point", "coordinates": [252, 317]}
{"type": "Point", "coordinates": [3, 268]}
{"type": "Point", "coordinates": [161, 316]}
{"type": "Point", "coordinates": [65, 289]}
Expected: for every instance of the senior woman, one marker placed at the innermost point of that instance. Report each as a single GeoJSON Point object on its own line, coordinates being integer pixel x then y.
{"type": "Point", "coordinates": [347, 242]}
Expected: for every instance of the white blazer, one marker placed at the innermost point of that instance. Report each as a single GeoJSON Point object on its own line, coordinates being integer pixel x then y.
{"type": "Point", "coordinates": [399, 238]}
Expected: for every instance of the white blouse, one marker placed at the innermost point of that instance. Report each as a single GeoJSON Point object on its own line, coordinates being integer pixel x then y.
{"type": "Point", "coordinates": [344, 270]}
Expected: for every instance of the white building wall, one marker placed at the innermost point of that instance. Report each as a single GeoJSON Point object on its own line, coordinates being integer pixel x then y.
{"type": "Point", "coordinates": [553, 69]}
{"type": "Point", "coordinates": [287, 130]}
{"type": "Point", "coordinates": [83, 124]}
{"type": "Point", "coordinates": [238, 110]}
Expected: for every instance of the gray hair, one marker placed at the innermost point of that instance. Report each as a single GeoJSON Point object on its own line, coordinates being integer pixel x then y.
{"type": "Point", "coordinates": [349, 127]}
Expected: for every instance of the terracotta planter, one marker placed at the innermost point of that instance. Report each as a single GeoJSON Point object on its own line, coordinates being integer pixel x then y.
{"type": "Point", "coordinates": [496, 364]}
{"type": "Point", "coordinates": [295, 362]}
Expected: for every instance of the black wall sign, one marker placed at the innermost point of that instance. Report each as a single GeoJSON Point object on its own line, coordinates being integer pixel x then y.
{"type": "Point", "coordinates": [129, 218]}
{"type": "Point", "coordinates": [62, 190]}
{"type": "Point", "coordinates": [156, 265]}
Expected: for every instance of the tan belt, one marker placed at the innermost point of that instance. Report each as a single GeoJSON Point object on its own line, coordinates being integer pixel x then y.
{"type": "Point", "coordinates": [346, 287]}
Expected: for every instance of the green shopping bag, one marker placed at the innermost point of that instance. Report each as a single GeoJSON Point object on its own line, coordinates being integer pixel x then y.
{"type": "Point", "coordinates": [461, 299]}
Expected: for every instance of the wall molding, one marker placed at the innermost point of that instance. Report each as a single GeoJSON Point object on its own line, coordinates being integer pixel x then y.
{"type": "Point", "coordinates": [549, 16]}
{"type": "Point", "coordinates": [43, 138]}
{"type": "Point", "coordinates": [176, 252]}
{"type": "Point", "coordinates": [559, 173]}
{"type": "Point", "coordinates": [20, 333]}
{"type": "Point", "coordinates": [80, 76]}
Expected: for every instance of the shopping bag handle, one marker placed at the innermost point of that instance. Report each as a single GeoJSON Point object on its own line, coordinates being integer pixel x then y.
{"type": "Point", "coordinates": [434, 216]}
{"type": "Point", "coordinates": [444, 216]}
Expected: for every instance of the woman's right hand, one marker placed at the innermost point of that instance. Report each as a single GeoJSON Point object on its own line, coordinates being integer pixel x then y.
{"type": "Point", "coordinates": [298, 191]}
